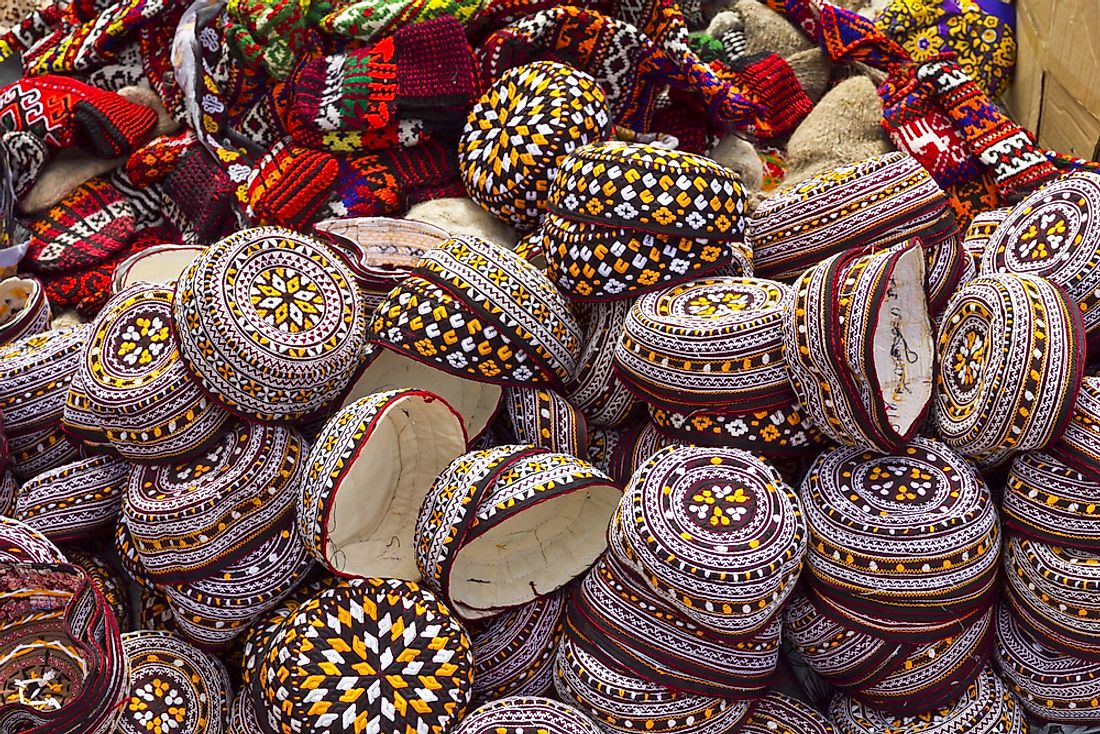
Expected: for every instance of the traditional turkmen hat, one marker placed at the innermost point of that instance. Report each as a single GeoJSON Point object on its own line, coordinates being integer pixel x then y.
{"type": "Point", "coordinates": [1054, 593]}
{"type": "Point", "coordinates": [36, 372]}
{"type": "Point", "coordinates": [78, 501]}
{"type": "Point", "coordinates": [242, 715]}
{"type": "Point", "coordinates": [520, 130]}
{"type": "Point", "coordinates": [24, 309]}
{"type": "Point", "coordinates": [22, 543]}
{"type": "Point", "coordinates": [601, 445]}
{"type": "Point", "coordinates": [78, 420]}
{"type": "Point", "coordinates": [40, 450]}
{"type": "Point", "coordinates": [368, 473]}
{"type": "Point", "coordinates": [778, 713]}
{"type": "Point", "coordinates": [622, 702]}
{"type": "Point", "coordinates": [596, 389]}
{"type": "Point", "coordinates": [1080, 444]}
{"type": "Point", "coordinates": [843, 335]}
{"type": "Point", "coordinates": [634, 448]}
{"type": "Point", "coordinates": [514, 651]}
{"type": "Point", "coordinates": [110, 583]}
{"type": "Point", "coordinates": [526, 715]}
{"type": "Point", "coordinates": [475, 541]}
{"type": "Point", "coordinates": [708, 343]}
{"type": "Point", "coordinates": [985, 707]}
{"type": "Point", "coordinates": [947, 267]}
{"type": "Point", "coordinates": [153, 612]}
{"type": "Point", "coordinates": [271, 322]}
{"type": "Point", "coordinates": [717, 532]}
{"type": "Point", "coordinates": [981, 229]}
{"type": "Point", "coordinates": [883, 201]}
{"type": "Point", "coordinates": [628, 624]}
{"type": "Point", "coordinates": [174, 687]}
{"type": "Point", "coordinates": [911, 537]}
{"type": "Point", "coordinates": [1050, 501]}
{"type": "Point", "coordinates": [189, 518]}
{"type": "Point", "coordinates": [1055, 233]}
{"type": "Point", "coordinates": [543, 418]}
{"type": "Point", "coordinates": [781, 432]}
{"type": "Point", "coordinates": [146, 401]}
{"type": "Point", "coordinates": [1011, 352]}
{"type": "Point", "coordinates": [368, 655]}
{"type": "Point", "coordinates": [1050, 684]}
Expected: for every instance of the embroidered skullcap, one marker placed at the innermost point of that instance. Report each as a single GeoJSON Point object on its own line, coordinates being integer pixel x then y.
{"type": "Point", "coordinates": [127, 555]}
{"type": "Point", "coordinates": [947, 267]}
{"type": "Point", "coordinates": [214, 610]}
{"type": "Point", "coordinates": [78, 501]}
{"type": "Point", "coordinates": [545, 419]}
{"type": "Point", "coordinates": [174, 687]}
{"type": "Point", "coordinates": [779, 713]}
{"type": "Point", "coordinates": [622, 702]}
{"type": "Point", "coordinates": [715, 531]}
{"type": "Point", "coordinates": [514, 651]}
{"type": "Point", "coordinates": [153, 612]}
{"type": "Point", "coordinates": [366, 476]}
{"type": "Point", "coordinates": [141, 392]}
{"type": "Point", "coordinates": [368, 655]}
{"type": "Point", "coordinates": [191, 517]}
{"type": "Point", "coordinates": [981, 229]}
{"type": "Point", "coordinates": [40, 451]}
{"type": "Point", "coordinates": [985, 707]}
{"type": "Point", "coordinates": [242, 715]}
{"type": "Point", "coordinates": [1080, 444]}
{"type": "Point", "coordinates": [1054, 593]}
{"type": "Point", "coordinates": [635, 447]}
{"type": "Point", "coordinates": [520, 130]}
{"type": "Point", "coordinates": [270, 322]}
{"type": "Point", "coordinates": [859, 347]}
{"type": "Point", "coordinates": [595, 262]}
{"type": "Point", "coordinates": [20, 543]}
{"type": "Point", "coordinates": [78, 419]}
{"type": "Point", "coordinates": [7, 492]}
{"type": "Point", "coordinates": [24, 309]}
{"type": "Point", "coordinates": [36, 372]}
{"type": "Point", "coordinates": [61, 655]}
{"type": "Point", "coordinates": [1055, 233]}
{"type": "Point", "coordinates": [782, 432]}
{"type": "Point", "coordinates": [596, 389]}
{"type": "Point", "coordinates": [526, 714]}
{"type": "Point", "coordinates": [1047, 500]}
{"type": "Point", "coordinates": [601, 445]}
{"type": "Point", "coordinates": [911, 536]}
{"type": "Point", "coordinates": [631, 626]}
{"type": "Point", "coordinates": [1049, 684]}
{"type": "Point", "coordinates": [883, 200]}
{"type": "Point", "coordinates": [477, 310]}
{"type": "Point", "coordinates": [474, 541]}
{"type": "Point", "coordinates": [708, 343]}
{"type": "Point", "coordinates": [109, 582]}
{"type": "Point", "coordinates": [156, 265]}
{"type": "Point", "coordinates": [1011, 351]}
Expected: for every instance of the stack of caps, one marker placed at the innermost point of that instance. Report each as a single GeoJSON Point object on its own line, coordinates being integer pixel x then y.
{"type": "Point", "coordinates": [517, 134]}
{"type": "Point", "coordinates": [903, 547]}
{"type": "Point", "coordinates": [707, 358]}
{"type": "Point", "coordinates": [524, 714]}
{"type": "Point", "coordinates": [980, 230]}
{"type": "Point", "coordinates": [75, 502]}
{"type": "Point", "coordinates": [859, 346]}
{"type": "Point", "coordinates": [24, 309]}
{"type": "Point", "coordinates": [545, 419]}
{"type": "Point", "coordinates": [1011, 356]}
{"type": "Point", "coordinates": [1080, 444]}
{"type": "Point", "coordinates": [596, 389]}
{"type": "Point", "coordinates": [627, 218]}
{"type": "Point", "coordinates": [1047, 500]}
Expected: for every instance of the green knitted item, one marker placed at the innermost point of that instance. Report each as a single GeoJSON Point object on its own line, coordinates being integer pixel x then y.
{"type": "Point", "coordinates": [369, 20]}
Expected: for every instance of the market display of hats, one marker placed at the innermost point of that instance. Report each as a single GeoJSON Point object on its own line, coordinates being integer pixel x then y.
{"type": "Point", "coordinates": [367, 475]}
{"type": "Point", "coordinates": [369, 654]}
{"type": "Point", "coordinates": [522, 714]}
{"type": "Point", "coordinates": [517, 134]}
{"type": "Point", "coordinates": [173, 687]}
{"type": "Point", "coordinates": [1047, 500]}
{"type": "Point", "coordinates": [270, 322]}
{"type": "Point", "coordinates": [1011, 351]}
{"type": "Point", "coordinates": [902, 546]}
{"type": "Point", "coordinates": [476, 543]}
{"type": "Point", "coordinates": [24, 309]}
{"type": "Point", "coordinates": [78, 501]}
{"type": "Point", "coordinates": [596, 389]}
{"type": "Point", "coordinates": [542, 418]}
{"type": "Point", "coordinates": [514, 650]}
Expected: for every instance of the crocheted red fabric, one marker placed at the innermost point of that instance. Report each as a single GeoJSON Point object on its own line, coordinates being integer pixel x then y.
{"type": "Point", "coordinates": [203, 192]}
{"type": "Point", "coordinates": [153, 161]}
{"type": "Point", "coordinates": [290, 184]}
{"type": "Point", "coordinates": [435, 79]}
{"type": "Point", "coordinates": [89, 225]}
{"type": "Point", "coordinates": [109, 125]}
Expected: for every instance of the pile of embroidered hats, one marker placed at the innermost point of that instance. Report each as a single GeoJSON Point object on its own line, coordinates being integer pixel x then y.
{"type": "Point", "coordinates": [509, 366]}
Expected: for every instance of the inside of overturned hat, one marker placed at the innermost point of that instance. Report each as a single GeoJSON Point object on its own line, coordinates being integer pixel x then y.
{"type": "Point", "coordinates": [533, 552]}
{"type": "Point", "coordinates": [372, 520]}
{"type": "Point", "coordinates": [158, 265]}
{"type": "Point", "coordinates": [476, 402]}
{"type": "Point", "coordinates": [904, 346]}
{"type": "Point", "coordinates": [15, 294]}
{"type": "Point", "coordinates": [381, 241]}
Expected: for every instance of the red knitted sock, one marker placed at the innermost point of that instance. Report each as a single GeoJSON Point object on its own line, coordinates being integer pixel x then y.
{"type": "Point", "coordinates": [109, 125]}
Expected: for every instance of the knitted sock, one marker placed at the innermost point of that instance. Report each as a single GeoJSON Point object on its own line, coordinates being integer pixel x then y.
{"type": "Point", "coordinates": [86, 227]}
{"type": "Point", "coordinates": [27, 155]}
{"type": "Point", "coordinates": [62, 175]}
{"type": "Point", "coordinates": [153, 161]}
{"type": "Point", "coordinates": [782, 101]}
{"type": "Point", "coordinates": [435, 74]}
{"type": "Point", "coordinates": [42, 106]}
{"type": "Point", "coordinates": [108, 125]}
{"type": "Point", "coordinates": [290, 184]}
{"type": "Point", "coordinates": [273, 34]}
{"type": "Point", "coordinates": [203, 192]}
{"type": "Point", "coordinates": [369, 20]}
{"type": "Point", "coordinates": [86, 290]}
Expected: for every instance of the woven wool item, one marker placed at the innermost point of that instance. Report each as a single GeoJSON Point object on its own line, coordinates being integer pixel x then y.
{"type": "Point", "coordinates": [37, 371]}
{"type": "Point", "coordinates": [596, 389]}
{"type": "Point", "coordinates": [779, 713]}
{"type": "Point", "coordinates": [1047, 500]}
{"type": "Point", "coordinates": [911, 536]}
{"type": "Point", "coordinates": [520, 130]}
{"type": "Point", "coordinates": [524, 714]}
{"type": "Point", "coordinates": [1049, 684]}
{"type": "Point", "coordinates": [545, 419]}
{"type": "Point", "coordinates": [514, 651]}
{"type": "Point", "coordinates": [142, 395]}
{"type": "Point", "coordinates": [716, 532]}
{"type": "Point", "coordinates": [1011, 350]}
{"type": "Point", "coordinates": [1080, 444]}
{"type": "Point", "coordinates": [985, 707]}
{"type": "Point", "coordinates": [24, 309]}
{"type": "Point", "coordinates": [631, 626]}
{"type": "Point", "coordinates": [174, 687]}
{"type": "Point", "coordinates": [368, 655]}
{"type": "Point", "coordinates": [475, 539]}
{"type": "Point", "coordinates": [783, 432]}
{"type": "Point", "coordinates": [270, 322]}
{"type": "Point", "coordinates": [86, 227]}
{"type": "Point", "coordinates": [859, 346]}
{"type": "Point", "coordinates": [188, 518]}
{"type": "Point", "coordinates": [20, 543]}
{"type": "Point", "coordinates": [884, 201]}
{"type": "Point", "coordinates": [369, 471]}
{"type": "Point", "coordinates": [708, 343]}
{"type": "Point", "coordinates": [78, 501]}
{"type": "Point", "coordinates": [622, 702]}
